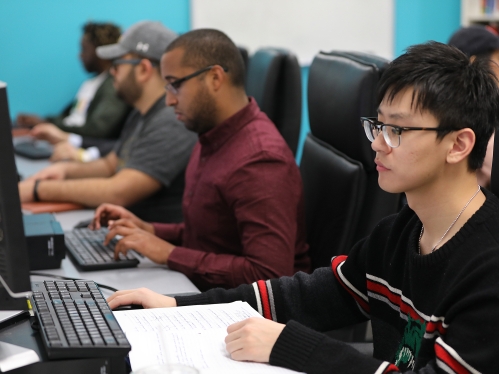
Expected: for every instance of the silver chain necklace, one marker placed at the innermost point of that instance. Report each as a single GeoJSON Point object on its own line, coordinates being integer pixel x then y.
{"type": "Point", "coordinates": [451, 225]}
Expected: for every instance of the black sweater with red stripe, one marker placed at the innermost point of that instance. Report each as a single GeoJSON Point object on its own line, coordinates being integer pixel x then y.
{"type": "Point", "coordinates": [430, 314]}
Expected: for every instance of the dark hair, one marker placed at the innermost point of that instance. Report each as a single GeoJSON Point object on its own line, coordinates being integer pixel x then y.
{"type": "Point", "coordinates": [459, 93]}
{"type": "Point", "coordinates": [101, 33]}
{"type": "Point", "coordinates": [485, 56]}
{"type": "Point", "coordinates": [205, 47]}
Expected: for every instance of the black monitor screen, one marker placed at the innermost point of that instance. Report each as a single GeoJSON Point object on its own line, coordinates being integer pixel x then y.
{"type": "Point", "coordinates": [14, 263]}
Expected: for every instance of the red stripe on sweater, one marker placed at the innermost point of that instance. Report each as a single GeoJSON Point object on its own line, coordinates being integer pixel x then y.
{"type": "Point", "coordinates": [431, 327]}
{"type": "Point", "coordinates": [264, 296]}
{"type": "Point", "coordinates": [449, 360]}
{"type": "Point", "coordinates": [394, 298]}
{"type": "Point", "coordinates": [338, 260]}
{"type": "Point", "coordinates": [391, 369]}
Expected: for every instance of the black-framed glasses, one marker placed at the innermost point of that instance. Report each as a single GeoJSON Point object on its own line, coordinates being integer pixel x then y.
{"type": "Point", "coordinates": [174, 85]}
{"type": "Point", "coordinates": [391, 133]}
{"type": "Point", "coordinates": [131, 61]}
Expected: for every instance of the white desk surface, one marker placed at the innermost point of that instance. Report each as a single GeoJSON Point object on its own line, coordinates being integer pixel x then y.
{"type": "Point", "coordinates": [148, 274]}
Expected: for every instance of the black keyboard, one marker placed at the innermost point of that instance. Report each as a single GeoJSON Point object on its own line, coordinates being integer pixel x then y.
{"type": "Point", "coordinates": [76, 321]}
{"type": "Point", "coordinates": [35, 150]}
{"type": "Point", "coordinates": [88, 252]}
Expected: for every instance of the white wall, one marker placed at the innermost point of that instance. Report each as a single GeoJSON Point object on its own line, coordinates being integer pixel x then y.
{"type": "Point", "coordinates": [304, 27]}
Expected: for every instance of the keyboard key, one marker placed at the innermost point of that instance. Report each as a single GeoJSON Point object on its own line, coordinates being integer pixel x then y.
{"type": "Point", "coordinates": [109, 340]}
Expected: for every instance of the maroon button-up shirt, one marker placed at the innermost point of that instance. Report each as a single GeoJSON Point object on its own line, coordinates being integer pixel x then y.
{"type": "Point", "coordinates": [243, 206]}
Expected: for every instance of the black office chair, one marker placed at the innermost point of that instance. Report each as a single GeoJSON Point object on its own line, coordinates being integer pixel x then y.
{"type": "Point", "coordinates": [334, 187]}
{"type": "Point", "coordinates": [343, 87]}
{"type": "Point", "coordinates": [245, 56]}
{"type": "Point", "coordinates": [274, 79]}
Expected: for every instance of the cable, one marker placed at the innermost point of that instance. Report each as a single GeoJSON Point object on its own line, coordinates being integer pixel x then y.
{"type": "Point", "coordinates": [72, 279]}
{"type": "Point", "coordinates": [15, 295]}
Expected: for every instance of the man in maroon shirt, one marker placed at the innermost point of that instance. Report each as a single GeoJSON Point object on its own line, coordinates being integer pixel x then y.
{"type": "Point", "coordinates": [243, 200]}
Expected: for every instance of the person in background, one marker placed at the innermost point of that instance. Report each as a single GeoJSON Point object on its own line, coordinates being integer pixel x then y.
{"type": "Point", "coordinates": [145, 171]}
{"type": "Point", "coordinates": [243, 202]}
{"type": "Point", "coordinates": [425, 277]}
{"type": "Point", "coordinates": [95, 112]}
{"type": "Point", "coordinates": [480, 42]}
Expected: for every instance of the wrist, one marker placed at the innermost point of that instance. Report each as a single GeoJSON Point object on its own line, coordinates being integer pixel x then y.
{"type": "Point", "coordinates": [146, 226]}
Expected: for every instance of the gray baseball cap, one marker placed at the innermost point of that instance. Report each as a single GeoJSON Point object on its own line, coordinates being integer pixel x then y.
{"type": "Point", "coordinates": [146, 38]}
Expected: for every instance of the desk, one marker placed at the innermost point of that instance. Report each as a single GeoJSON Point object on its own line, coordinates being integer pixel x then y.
{"type": "Point", "coordinates": [147, 274]}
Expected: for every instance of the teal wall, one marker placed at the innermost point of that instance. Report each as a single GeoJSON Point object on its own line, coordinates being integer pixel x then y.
{"type": "Point", "coordinates": [417, 21]}
{"type": "Point", "coordinates": [39, 44]}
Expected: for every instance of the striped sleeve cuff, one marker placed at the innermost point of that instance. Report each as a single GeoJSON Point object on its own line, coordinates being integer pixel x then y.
{"type": "Point", "coordinates": [269, 301]}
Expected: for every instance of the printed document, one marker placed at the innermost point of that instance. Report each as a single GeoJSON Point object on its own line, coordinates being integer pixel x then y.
{"type": "Point", "coordinates": [190, 335]}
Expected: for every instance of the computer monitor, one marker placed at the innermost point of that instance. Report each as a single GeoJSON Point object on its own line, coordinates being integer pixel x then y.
{"type": "Point", "coordinates": [14, 263]}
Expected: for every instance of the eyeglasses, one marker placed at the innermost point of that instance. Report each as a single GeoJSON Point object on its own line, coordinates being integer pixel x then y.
{"type": "Point", "coordinates": [131, 61]}
{"type": "Point", "coordinates": [174, 86]}
{"type": "Point", "coordinates": [391, 133]}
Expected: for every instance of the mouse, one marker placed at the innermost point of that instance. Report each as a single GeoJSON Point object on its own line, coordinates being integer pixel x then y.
{"type": "Point", "coordinates": [128, 307]}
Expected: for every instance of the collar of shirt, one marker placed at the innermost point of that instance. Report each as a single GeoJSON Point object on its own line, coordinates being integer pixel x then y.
{"type": "Point", "coordinates": [159, 104]}
{"type": "Point", "coordinates": [213, 139]}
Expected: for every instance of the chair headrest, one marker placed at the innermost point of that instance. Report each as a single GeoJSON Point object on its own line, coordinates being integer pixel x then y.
{"type": "Point", "coordinates": [342, 87]}
{"type": "Point", "coordinates": [274, 80]}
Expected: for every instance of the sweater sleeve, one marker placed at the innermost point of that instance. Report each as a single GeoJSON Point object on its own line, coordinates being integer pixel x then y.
{"type": "Point", "coordinates": [305, 350]}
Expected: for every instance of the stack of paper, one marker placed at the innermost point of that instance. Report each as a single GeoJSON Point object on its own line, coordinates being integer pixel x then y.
{"type": "Point", "coordinates": [192, 336]}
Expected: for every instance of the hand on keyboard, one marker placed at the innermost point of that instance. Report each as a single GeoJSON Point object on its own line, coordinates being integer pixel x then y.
{"type": "Point", "coordinates": [108, 214]}
{"type": "Point", "coordinates": [140, 240]}
{"type": "Point", "coordinates": [141, 296]}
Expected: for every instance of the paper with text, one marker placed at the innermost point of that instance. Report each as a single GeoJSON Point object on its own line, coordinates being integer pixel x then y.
{"type": "Point", "coordinates": [192, 336]}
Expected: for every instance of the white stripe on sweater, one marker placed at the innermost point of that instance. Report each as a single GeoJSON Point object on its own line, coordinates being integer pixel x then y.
{"type": "Point", "coordinates": [451, 351]}
{"type": "Point", "coordinates": [258, 298]}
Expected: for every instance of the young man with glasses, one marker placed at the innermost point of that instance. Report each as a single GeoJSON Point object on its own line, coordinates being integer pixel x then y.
{"type": "Point", "coordinates": [243, 203]}
{"type": "Point", "coordinates": [427, 276]}
{"type": "Point", "coordinates": [145, 171]}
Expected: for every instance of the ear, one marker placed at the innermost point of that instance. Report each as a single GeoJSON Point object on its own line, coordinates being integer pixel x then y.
{"type": "Point", "coordinates": [462, 144]}
{"type": "Point", "coordinates": [144, 70]}
{"type": "Point", "coordinates": [217, 77]}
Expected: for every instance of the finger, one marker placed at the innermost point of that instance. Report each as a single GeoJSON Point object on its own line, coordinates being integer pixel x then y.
{"type": "Point", "coordinates": [100, 216]}
{"type": "Point", "coordinates": [241, 354]}
{"type": "Point", "coordinates": [233, 337]}
{"type": "Point", "coordinates": [119, 293]}
{"type": "Point", "coordinates": [122, 246]}
{"type": "Point", "coordinates": [236, 326]}
{"type": "Point", "coordinates": [117, 230]}
{"type": "Point", "coordinates": [233, 347]}
{"type": "Point", "coordinates": [124, 298]}
{"type": "Point", "coordinates": [124, 222]}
